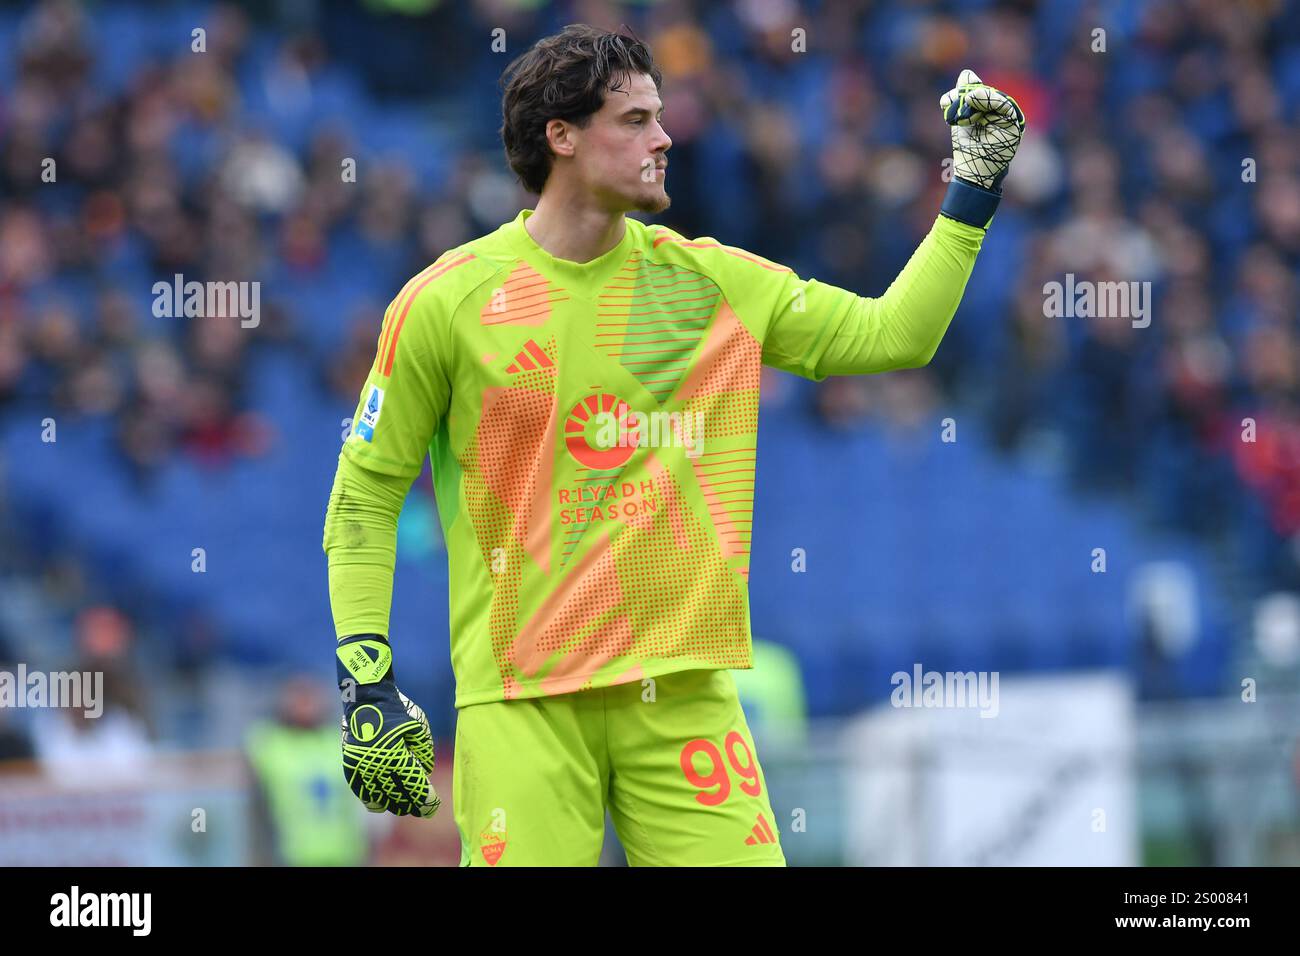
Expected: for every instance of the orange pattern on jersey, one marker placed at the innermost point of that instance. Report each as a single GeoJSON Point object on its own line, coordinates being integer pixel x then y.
{"type": "Point", "coordinates": [589, 591]}
{"type": "Point", "coordinates": [517, 456]}
{"type": "Point", "coordinates": [575, 671]}
{"type": "Point", "coordinates": [507, 475]}
{"type": "Point", "coordinates": [525, 298]}
{"type": "Point", "coordinates": [631, 593]}
{"type": "Point", "coordinates": [586, 595]}
{"type": "Point", "coordinates": [724, 385]}
{"type": "Point", "coordinates": [669, 562]}
{"type": "Point", "coordinates": [628, 596]}
{"type": "Point", "coordinates": [650, 317]}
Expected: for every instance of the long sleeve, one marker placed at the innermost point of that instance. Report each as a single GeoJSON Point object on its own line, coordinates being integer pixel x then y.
{"type": "Point", "coordinates": [402, 405]}
{"type": "Point", "coordinates": [819, 330]}
{"type": "Point", "coordinates": [903, 327]}
{"type": "Point", "coordinates": [361, 543]}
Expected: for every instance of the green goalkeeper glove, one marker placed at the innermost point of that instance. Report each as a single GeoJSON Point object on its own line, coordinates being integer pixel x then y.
{"type": "Point", "coordinates": [387, 747]}
{"type": "Point", "coordinates": [987, 126]}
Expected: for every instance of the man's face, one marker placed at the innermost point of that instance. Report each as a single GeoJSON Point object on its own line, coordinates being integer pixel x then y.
{"type": "Point", "coordinates": [620, 156]}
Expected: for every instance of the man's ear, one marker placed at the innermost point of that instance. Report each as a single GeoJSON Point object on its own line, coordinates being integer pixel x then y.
{"type": "Point", "coordinates": [560, 135]}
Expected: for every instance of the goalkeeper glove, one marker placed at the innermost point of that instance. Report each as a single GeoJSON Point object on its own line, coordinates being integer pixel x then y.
{"type": "Point", "coordinates": [987, 126]}
{"type": "Point", "coordinates": [387, 746]}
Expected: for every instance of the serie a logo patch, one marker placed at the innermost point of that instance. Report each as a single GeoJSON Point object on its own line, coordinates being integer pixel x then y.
{"type": "Point", "coordinates": [365, 426]}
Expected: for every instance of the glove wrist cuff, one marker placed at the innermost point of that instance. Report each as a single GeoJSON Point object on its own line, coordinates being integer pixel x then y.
{"type": "Point", "coordinates": [363, 659]}
{"type": "Point", "coordinates": [971, 204]}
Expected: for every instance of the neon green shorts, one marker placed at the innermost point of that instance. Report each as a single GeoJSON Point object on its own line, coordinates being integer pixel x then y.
{"type": "Point", "coordinates": [671, 758]}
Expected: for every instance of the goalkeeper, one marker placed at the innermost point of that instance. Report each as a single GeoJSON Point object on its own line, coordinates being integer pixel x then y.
{"type": "Point", "coordinates": [599, 568]}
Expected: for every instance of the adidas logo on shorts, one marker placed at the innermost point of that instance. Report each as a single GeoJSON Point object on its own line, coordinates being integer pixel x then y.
{"type": "Point", "coordinates": [762, 833]}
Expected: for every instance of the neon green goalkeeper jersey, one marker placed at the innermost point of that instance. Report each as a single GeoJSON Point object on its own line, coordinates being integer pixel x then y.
{"type": "Point", "coordinates": [592, 431]}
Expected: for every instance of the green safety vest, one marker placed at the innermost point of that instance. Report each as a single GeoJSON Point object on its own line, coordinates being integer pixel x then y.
{"type": "Point", "coordinates": [317, 819]}
{"type": "Point", "coordinates": [772, 694]}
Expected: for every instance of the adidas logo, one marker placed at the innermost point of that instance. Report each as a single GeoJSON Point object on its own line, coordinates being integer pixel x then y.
{"type": "Point", "coordinates": [532, 357]}
{"type": "Point", "coordinates": [762, 833]}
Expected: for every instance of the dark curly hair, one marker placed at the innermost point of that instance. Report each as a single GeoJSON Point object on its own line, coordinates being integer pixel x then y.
{"type": "Point", "coordinates": [564, 76]}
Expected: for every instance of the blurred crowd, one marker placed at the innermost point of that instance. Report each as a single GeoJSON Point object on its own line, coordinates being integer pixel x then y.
{"type": "Point", "coordinates": [109, 736]}
{"type": "Point", "coordinates": [1165, 149]}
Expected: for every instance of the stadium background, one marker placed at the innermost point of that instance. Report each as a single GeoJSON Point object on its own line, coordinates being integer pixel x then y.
{"type": "Point", "coordinates": [1162, 690]}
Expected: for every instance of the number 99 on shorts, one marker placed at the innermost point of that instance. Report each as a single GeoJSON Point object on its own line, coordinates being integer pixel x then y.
{"type": "Point", "coordinates": [707, 770]}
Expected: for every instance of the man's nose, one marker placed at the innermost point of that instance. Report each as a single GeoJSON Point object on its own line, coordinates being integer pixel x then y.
{"type": "Point", "coordinates": [663, 142]}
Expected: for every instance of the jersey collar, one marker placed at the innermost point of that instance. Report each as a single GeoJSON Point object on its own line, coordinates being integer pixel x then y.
{"type": "Point", "coordinates": [595, 271]}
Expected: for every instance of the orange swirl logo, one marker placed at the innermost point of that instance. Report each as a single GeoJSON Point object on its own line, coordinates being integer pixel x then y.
{"type": "Point", "coordinates": [588, 416]}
